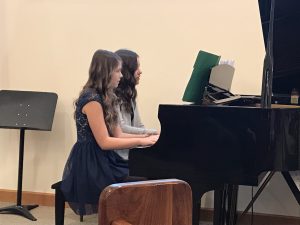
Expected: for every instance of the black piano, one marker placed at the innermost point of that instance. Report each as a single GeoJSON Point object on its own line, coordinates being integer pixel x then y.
{"type": "Point", "coordinates": [217, 146]}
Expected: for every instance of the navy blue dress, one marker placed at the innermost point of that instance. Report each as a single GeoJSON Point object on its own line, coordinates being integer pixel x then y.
{"type": "Point", "coordinates": [89, 169]}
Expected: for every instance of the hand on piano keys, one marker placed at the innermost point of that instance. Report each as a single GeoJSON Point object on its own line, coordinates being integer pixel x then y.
{"type": "Point", "coordinates": [148, 141]}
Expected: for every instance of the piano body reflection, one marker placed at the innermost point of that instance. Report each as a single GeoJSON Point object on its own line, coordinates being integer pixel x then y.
{"type": "Point", "coordinates": [210, 146]}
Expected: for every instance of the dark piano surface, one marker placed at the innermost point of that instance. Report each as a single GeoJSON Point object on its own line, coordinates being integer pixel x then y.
{"type": "Point", "coordinates": [221, 144]}
{"type": "Point", "coordinates": [209, 146]}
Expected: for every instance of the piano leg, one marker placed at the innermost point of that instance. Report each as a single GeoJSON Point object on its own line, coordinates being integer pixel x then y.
{"type": "Point", "coordinates": [259, 191]}
{"type": "Point", "coordinates": [196, 210]}
{"type": "Point", "coordinates": [231, 215]}
{"type": "Point", "coordinates": [293, 187]}
{"type": "Point", "coordinates": [220, 194]}
{"type": "Point", "coordinates": [198, 190]}
{"type": "Point", "coordinates": [289, 180]}
{"type": "Point", "coordinates": [225, 202]}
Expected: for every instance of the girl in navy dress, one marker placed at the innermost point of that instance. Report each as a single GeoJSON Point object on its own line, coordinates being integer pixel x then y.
{"type": "Point", "coordinates": [93, 164]}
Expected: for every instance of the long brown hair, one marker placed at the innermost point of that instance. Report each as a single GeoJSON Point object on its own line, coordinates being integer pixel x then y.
{"type": "Point", "coordinates": [126, 91]}
{"type": "Point", "coordinates": [102, 65]}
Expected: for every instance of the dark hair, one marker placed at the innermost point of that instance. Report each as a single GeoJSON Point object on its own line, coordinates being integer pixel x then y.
{"type": "Point", "coordinates": [126, 91]}
{"type": "Point", "coordinates": [102, 65]}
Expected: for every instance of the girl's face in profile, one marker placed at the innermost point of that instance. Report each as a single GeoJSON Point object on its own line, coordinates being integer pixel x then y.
{"type": "Point", "coordinates": [116, 76]}
{"type": "Point", "coordinates": [138, 72]}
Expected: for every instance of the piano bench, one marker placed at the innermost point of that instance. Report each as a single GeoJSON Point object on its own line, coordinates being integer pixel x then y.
{"type": "Point", "coordinates": [60, 205]}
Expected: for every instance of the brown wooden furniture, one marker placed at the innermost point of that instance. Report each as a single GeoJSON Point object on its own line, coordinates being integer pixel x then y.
{"type": "Point", "coordinates": [120, 222]}
{"type": "Point", "coordinates": [157, 202]}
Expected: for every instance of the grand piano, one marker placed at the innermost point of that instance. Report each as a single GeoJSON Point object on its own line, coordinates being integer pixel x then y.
{"type": "Point", "coordinates": [217, 146]}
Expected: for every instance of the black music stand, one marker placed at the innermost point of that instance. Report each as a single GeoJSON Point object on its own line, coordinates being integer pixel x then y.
{"type": "Point", "coordinates": [25, 110]}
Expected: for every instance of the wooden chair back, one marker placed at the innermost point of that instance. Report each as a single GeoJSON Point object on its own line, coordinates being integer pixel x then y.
{"type": "Point", "coordinates": [156, 202]}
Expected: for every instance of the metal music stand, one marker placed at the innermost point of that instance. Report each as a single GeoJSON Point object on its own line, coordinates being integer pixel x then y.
{"type": "Point", "coordinates": [25, 110]}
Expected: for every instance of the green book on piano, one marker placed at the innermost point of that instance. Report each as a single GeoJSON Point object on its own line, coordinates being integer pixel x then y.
{"type": "Point", "coordinates": [200, 76]}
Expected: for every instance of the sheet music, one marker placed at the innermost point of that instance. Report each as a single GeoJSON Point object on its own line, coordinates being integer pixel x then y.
{"type": "Point", "coordinates": [221, 76]}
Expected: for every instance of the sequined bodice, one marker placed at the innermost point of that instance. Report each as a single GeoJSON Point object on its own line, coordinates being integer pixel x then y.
{"type": "Point", "coordinates": [84, 132]}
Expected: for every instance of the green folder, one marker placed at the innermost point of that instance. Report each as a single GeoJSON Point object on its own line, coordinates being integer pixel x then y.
{"type": "Point", "coordinates": [200, 76]}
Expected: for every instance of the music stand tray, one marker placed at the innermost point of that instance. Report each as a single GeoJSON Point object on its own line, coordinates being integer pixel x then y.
{"type": "Point", "coordinates": [25, 110]}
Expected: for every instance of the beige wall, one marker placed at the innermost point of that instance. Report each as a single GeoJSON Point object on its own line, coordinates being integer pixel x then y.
{"type": "Point", "coordinates": [46, 45]}
{"type": "Point", "coordinates": [2, 43]}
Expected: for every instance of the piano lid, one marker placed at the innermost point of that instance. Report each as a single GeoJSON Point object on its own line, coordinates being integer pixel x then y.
{"type": "Point", "coordinates": [286, 43]}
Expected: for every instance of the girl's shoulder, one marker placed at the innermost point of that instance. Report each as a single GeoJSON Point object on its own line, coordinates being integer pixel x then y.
{"type": "Point", "coordinates": [89, 95]}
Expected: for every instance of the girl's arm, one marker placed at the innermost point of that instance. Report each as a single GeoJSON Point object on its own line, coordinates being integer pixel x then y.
{"type": "Point", "coordinates": [120, 134]}
{"type": "Point", "coordinates": [138, 127]}
{"type": "Point", "coordinates": [138, 122]}
{"type": "Point", "coordinates": [94, 112]}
